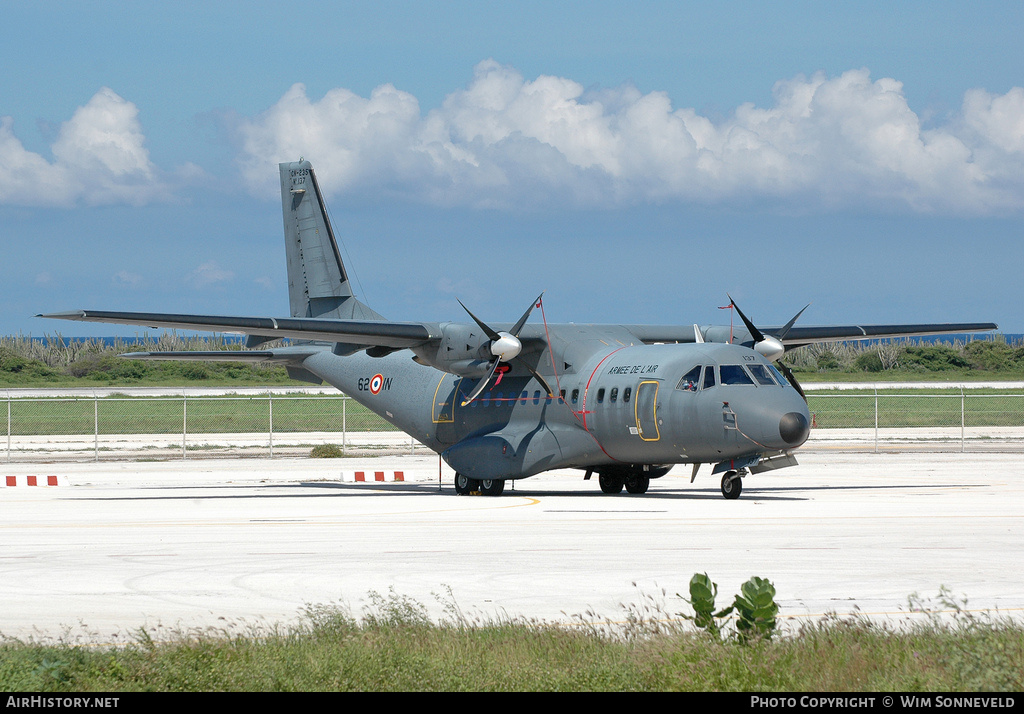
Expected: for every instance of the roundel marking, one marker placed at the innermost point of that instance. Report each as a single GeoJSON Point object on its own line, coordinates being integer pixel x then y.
{"type": "Point", "coordinates": [376, 383]}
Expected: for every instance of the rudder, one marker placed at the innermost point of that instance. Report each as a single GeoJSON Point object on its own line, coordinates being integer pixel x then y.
{"type": "Point", "coordinates": [318, 284]}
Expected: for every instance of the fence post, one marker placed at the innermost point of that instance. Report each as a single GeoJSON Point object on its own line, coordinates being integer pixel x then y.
{"type": "Point", "coordinates": [270, 408]}
{"type": "Point", "coordinates": [96, 424]}
{"type": "Point", "coordinates": [184, 421]}
{"type": "Point", "coordinates": [8, 426]}
{"type": "Point", "coordinates": [876, 420]}
{"type": "Point", "coordinates": [344, 423]}
{"type": "Point", "coordinates": [963, 422]}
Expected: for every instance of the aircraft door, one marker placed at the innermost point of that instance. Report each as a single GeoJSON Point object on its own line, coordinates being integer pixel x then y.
{"type": "Point", "coordinates": [645, 406]}
{"type": "Point", "coordinates": [443, 409]}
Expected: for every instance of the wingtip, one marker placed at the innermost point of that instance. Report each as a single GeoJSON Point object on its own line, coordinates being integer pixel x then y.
{"type": "Point", "coordinates": [66, 315]}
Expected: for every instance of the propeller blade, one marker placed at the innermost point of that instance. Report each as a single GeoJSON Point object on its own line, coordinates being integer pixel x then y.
{"type": "Point", "coordinates": [792, 380]}
{"type": "Point", "coordinates": [483, 382]}
{"type": "Point", "coordinates": [785, 330]}
{"type": "Point", "coordinates": [526, 316]}
{"type": "Point", "coordinates": [536, 375]}
{"type": "Point", "coordinates": [754, 332]}
{"type": "Point", "coordinates": [487, 330]}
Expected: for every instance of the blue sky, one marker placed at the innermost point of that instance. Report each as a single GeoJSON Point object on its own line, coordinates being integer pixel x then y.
{"type": "Point", "coordinates": [635, 161]}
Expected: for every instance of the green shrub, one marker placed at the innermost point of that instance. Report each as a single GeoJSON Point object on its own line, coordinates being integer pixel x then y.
{"type": "Point", "coordinates": [13, 363]}
{"type": "Point", "coordinates": [989, 355]}
{"type": "Point", "coordinates": [828, 361]}
{"type": "Point", "coordinates": [755, 606]}
{"type": "Point", "coordinates": [326, 451]}
{"type": "Point", "coordinates": [757, 609]}
{"type": "Point", "coordinates": [868, 362]}
{"type": "Point", "coordinates": [934, 358]}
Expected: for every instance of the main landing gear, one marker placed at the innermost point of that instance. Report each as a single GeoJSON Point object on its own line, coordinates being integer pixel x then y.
{"type": "Point", "coordinates": [485, 487]}
{"type": "Point", "coordinates": [634, 483]}
{"type": "Point", "coordinates": [635, 479]}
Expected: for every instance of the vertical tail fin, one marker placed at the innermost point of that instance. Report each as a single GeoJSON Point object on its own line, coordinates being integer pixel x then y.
{"type": "Point", "coordinates": [318, 284]}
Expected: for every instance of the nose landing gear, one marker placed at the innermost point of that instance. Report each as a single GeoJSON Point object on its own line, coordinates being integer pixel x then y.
{"type": "Point", "coordinates": [731, 484]}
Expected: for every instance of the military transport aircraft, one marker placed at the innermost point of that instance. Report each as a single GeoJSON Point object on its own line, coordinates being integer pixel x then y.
{"type": "Point", "coordinates": [508, 401]}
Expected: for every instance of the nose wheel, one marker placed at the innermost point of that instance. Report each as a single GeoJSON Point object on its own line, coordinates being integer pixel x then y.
{"type": "Point", "coordinates": [731, 485]}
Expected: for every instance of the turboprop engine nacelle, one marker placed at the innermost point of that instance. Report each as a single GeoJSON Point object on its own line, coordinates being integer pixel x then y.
{"type": "Point", "coordinates": [462, 350]}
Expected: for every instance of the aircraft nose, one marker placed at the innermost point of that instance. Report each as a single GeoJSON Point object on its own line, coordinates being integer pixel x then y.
{"type": "Point", "coordinates": [794, 429]}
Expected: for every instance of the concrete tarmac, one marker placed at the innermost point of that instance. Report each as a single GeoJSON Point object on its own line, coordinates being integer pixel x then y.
{"type": "Point", "coordinates": [247, 543]}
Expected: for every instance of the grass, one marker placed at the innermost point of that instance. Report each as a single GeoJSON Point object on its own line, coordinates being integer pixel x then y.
{"type": "Point", "coordinates": [205, 415]}
{"type": "Point", "coordinates": [916, 408]}
{"type": "Point", "coordinates": [396, 647]}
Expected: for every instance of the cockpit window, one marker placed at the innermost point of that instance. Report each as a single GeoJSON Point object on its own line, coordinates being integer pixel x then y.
{"type": "Point", "coordinates": [709, 377]}
{"type": "Point", "coordinates": [778, 376]}
{"type": "Point", "coordinates": [761, 375]}
{"type": "Point", "coordinates": [734, 374]}
{"type": "Point", "coordinates": [691, 380]}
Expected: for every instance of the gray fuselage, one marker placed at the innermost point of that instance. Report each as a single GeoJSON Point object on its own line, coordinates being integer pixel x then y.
{"type": "Point", "coordinates": [616, 405]}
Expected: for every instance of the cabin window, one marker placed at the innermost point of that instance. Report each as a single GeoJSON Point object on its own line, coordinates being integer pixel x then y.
{"type": "Point", "coordinates": [709, 377]}
{"type": "Point", "coordinates": [536, 397]}
{"type": "Point", "coordinates": [734, 374]}
{"type": "Point", "coordinates": [575, 395]}
{"type": "Point", "coordinates": [561, 395]}
{"type": "Point", "coordinates": [614, 394]}
{"type": "Point", "coordinates": [691, 380]}
{"type": "Point", "coordinates": [522, 398]}
{"type": "Point", "coordinates": [625, 393]}
{"type": "Point", "coordinates": [600, 395]}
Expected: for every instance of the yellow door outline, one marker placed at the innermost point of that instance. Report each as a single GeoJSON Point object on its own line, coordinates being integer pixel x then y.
{"type": "Point", "coordinates": [443, 412]}
{"type": "Point", "coordinates": [654, 411]}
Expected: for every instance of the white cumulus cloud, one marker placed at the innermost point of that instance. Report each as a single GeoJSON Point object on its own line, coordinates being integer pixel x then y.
{"type": "Point", "coordinates": [209, 274]}
{"type": "Point", "coordinates": [507, 141]}
{"type": "Point", "coordinates": [99, 157]}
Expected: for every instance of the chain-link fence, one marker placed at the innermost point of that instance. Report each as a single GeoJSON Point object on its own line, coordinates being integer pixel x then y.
{"type": "Point", "coordinates": [122, 428]}
{"type": "Point", "coordinates": [119, 428]}
{"type": "Point", "coordinates": [949, 421]}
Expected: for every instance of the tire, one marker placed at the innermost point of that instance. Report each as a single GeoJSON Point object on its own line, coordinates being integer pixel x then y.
{"type": "Point", "coordinates": [731, 487]}
{"type": "Point", "coordinates": [491, 487]}
{"type": "Point", "coordinates": [465, 485]}
{"type": "Point", "coordinates": [638, 484]}
{"type": "Point", "coordinates": [610, 484]}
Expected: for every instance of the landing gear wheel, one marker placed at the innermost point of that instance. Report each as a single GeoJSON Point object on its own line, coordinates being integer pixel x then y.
{"type": "Point", "coordinates": [637, 484]}
{"type": "Point", "coordinates": [610, 484]}
{"type": "Point", "coordinates": [465, 485]}
{"type": "Point", "coordinates": [731, 485]}
{"type": "Point", "coordinates": [491, 487]}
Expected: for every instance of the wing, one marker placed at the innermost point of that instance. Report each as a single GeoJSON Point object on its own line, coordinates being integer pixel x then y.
{"type": "Point", "coordinates": [364, 333]}
{"type": "Point", "coordinates": [799, 336]}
